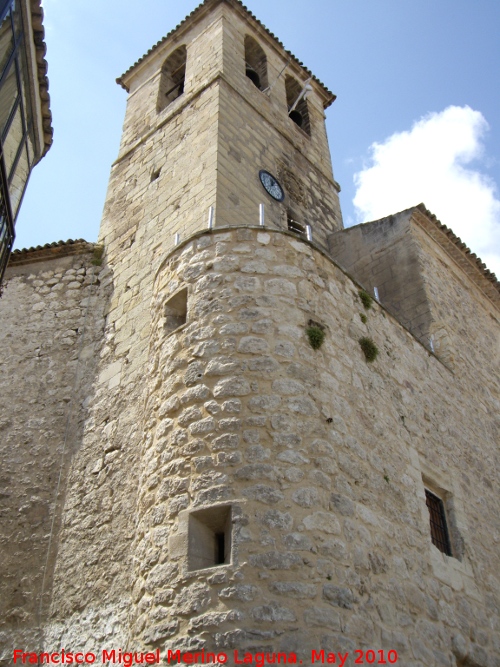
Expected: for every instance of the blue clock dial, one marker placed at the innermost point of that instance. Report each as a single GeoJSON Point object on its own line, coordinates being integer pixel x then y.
{"type": "Point", "coordinates": [271, 185]}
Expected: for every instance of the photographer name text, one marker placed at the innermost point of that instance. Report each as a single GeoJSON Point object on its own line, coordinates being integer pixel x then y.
{"type": "Point", "coordinates": [119, 657]}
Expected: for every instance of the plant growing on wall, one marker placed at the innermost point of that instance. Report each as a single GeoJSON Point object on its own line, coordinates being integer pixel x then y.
{"type": "Point", "coordinates": [97, 256]}
{"type": "Point", "coordinates": [370, 350]}
{"type": "Point", "coordinates": [365, 298]}
{"type": "Point", "coordinates": [316, 334]}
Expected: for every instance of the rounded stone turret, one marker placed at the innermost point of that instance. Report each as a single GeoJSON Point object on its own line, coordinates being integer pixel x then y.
{"type": "Point", "coordinates": [238, 463]}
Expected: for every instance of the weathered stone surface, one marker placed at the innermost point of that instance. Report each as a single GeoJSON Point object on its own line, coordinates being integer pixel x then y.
{"type": "Point", "coordinates": [221, 367]}
{"type": "Point", "coordinates": [298, 541]}
{"type": "Point", "coordinates": [252, 345]}
{"type": "Point", "coordinates": [231, 422]}
{"type": "Point", "coordinates": [342, 505]}
{"type": "Point", "coordinates": [256, 471]}
{"type": "Point", "coordinates": [235, 386]}
{"type": "Point", "coordinates": [276, 519]}
{"type": "Point", "coordinates": [263, 403]}
{"type": "Point", "coordinates": [273, 613]}
{"type": "Point", "coordinates": [202, 426]}
{"type": "Point", "coordinates": [306, 497]}
{"type": "Point", "coordinates": [294, 590]}
{"type": "Point", "coordinates": [338, 596]}
{"type": "Point", "coordinates": [169, 406]}
{"type": "Point", "coordinates": [322, 521]}
{"type": "Point", "coordinates": [160, 576]}
{"type": "Point", "coordinates": [322, 617]}
{"type": "Point", "coordinates": [263, 493]}
{"type": "Point", "coordinates": [242, 592]}
{"type": "Point", "coordinates": [189, 415]}
{"type": "Point", "coordinates": [275, 560]}
{"type": "Point", "coordinates": [193, 374]}
{"type": "Point", "coordinates": [198, 393]}
{"type": "Point", "coordinates": [226, 441]}
{"type": "Point", "coordinates": [213, 620]}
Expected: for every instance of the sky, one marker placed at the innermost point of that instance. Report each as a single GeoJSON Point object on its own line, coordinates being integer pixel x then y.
{"type": "Point", "coordinates": [417, 115]}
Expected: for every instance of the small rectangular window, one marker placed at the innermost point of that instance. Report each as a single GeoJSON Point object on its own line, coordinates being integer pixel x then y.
{"type": "Point", "coordinates": [176, 310]}
{"type": "Point", "coordinates": [209, 537]}
{"type": "Point", "coordinates": [437, 517]}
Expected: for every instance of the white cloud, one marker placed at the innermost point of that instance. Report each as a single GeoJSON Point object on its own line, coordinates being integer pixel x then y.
{"type": "Point", "coordinates": [429, 164]}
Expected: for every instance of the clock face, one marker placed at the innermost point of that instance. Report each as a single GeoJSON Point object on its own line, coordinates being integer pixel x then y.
{"type": "Point", "coordinates": [271, 185]}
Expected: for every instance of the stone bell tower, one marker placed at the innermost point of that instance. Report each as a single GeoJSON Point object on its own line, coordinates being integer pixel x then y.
{"type": "Point", "coordinates": [210, 106]}
{"type": "Point", "coordinates": [223, 135]}
{"type": "Point", "coordinates": [223, 129]}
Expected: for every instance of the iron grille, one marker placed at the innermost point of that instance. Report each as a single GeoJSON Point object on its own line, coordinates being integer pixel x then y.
{"type": "Point", "coordinates": [437, 518]}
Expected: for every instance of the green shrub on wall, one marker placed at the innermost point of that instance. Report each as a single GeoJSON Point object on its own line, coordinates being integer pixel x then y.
{"type": "Point", "coordinates": [97, 256]}
{"type": "Point", "coordinates": [365, 298]}
{"type": "Point", "coordinates": [316, 336]}
{"type": "Point", "coordinates": [369, 348]}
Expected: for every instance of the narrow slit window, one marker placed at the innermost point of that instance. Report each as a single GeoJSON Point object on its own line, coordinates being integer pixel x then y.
{"type": "Point", "coordinates": [438, 525]}
{"type": "Point", "coordinates": [176, 310]}
{"type": "Point", "coordinates": [220, 539]}
{"type": "Point", "coordinates": [173, 74]}
{"type": "Point", "coordinates": [298, 111]}
{"type": "Point", "coordinates": [255, 63]}
{"type": "Point", "coordinates": [209, 538]}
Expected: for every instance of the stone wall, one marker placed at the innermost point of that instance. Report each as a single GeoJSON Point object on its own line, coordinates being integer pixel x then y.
{"type": "Point", "coordinates": [427, 281]}
{"type": "Point", "coordinates": [256, 133]}
{"type": "Point", "coordinates": [51, 316]}
{"type": "Point", "coordinates": [171, 437]}
{"type": "Point", "coordinates": [383, 254]}
{"type": "Point", "coordinates": [322, 457]}
{"type": "Point", "coordinates": [205, 149]}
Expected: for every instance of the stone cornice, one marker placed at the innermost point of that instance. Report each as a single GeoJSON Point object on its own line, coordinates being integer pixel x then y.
{"type": "Point", "coordinates": [469, 262]}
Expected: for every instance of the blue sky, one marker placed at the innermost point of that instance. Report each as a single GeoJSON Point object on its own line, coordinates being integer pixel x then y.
{"type": "Point", "coordinates": [417, 115]}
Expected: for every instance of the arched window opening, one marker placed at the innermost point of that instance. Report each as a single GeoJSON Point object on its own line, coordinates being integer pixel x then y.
{"type": "Point", "coordinates": [255, 63]}
{"type": "Point", "coordinates": [172, 78]}
{"type": "Point", "coordinates": [297, 111]}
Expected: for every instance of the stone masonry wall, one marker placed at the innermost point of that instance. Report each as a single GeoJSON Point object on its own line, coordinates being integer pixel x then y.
{"type": "Point", "coordinates": [323, 458]}
{"type": "Point", "coordinates": [383, 254]}
{"type": "Point", "coordinates": [464, 322]}
{"type": "Point", "coordinates": [203, 64]}
{"type": "Point", "coordinates": [51, 326]}
{"type": "Point", "coordinates": [256, 133]}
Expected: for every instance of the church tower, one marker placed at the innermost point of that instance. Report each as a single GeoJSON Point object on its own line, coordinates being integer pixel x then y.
{"type": "Point", "coordinates": [213, 105]}
{"type": "Point", "coordinates": [222, 182]}
{"type": "Point", "coordinates": [224, 141]}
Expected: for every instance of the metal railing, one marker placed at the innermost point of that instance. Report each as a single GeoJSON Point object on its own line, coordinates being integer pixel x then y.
{"type": "Point", "coordinates": [258, 216]}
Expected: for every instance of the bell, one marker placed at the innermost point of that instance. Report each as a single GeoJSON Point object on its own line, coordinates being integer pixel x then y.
{"type": "Point", "coordinates": [296, 116]}
{"type": "Point", "coordinates": [253, 76]}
